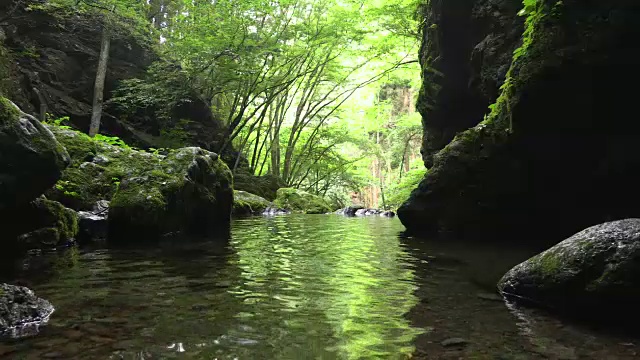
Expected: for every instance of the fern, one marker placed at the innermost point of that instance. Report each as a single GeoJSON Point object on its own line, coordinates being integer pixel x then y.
{"type": "Point", "coordinates": [111, 140]}
{"type": "Point", "coordinates": [57, 122]}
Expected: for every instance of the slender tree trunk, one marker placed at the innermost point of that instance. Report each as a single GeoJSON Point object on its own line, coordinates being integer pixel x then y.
{"type": "Point", "coordinates": [43, 105]}
{"type": "Point", "coordinates": [384, 201]}
{"type": "Point", "coordinates": [98, 90]}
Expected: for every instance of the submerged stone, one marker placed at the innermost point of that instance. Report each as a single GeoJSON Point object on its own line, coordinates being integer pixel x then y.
{"type": "Point", "coordinates": [454, 342]}
{"type": "Point", "coordinates": [594, 273]}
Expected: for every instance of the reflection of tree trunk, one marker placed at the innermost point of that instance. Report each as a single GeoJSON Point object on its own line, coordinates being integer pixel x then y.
{"type": "Point", "coordinates": [101, 73]}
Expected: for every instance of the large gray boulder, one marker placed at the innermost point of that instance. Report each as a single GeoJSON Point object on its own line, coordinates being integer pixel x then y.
{"type": "Point", "coordinates": [595, 272]}
{"type": "Point", "coordinates": [21, 312]}
{"type": "Point", "coordinates": [31, 160]}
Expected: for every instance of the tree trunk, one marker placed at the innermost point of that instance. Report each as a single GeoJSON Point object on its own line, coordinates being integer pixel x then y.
{"type": "Point", "coordinates": [98, 90]}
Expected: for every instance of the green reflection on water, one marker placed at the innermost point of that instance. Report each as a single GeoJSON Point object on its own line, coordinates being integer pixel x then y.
{"type": "Point", "coordinates": [343, 285]}
{"type": "Point", "coordinates": [293, 287]}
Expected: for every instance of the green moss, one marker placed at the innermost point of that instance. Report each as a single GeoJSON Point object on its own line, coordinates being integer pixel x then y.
{"type": "Point", "coordinates": [245, 203]}
{"type": "Point", "coordinates": [65, 220]}
{"type": "Point", "coordinates": [549, 264]}
{"type": "Point", "coordinates": [301, 201]}
{"type": "Point", "coordinates": [142, 204]}
{"type": "Point", "coordinates": [150, 194]}
{"type": "Point", "coordinates": [80, 146]}
{"type": "Point", "coordinates": [8, 112]}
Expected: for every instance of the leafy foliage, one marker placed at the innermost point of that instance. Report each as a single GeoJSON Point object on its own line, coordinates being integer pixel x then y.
{"type": "Point", "coordinates": [298, 83]}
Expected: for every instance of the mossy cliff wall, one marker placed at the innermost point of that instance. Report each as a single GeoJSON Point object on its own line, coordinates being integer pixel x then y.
{"type": "Point", "coordinates": [53, 57]}
{"type": "Point", "coordinates": [556, 152]}
{"type": "Point", "coordinates": [465, 55]}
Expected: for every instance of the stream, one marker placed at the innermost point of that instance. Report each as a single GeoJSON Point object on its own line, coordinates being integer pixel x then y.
{"type": "Point", "coordinates": [301, 287]}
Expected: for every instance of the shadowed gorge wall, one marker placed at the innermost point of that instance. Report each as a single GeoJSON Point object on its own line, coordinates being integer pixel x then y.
{"type": "Point", "coordinates": [465, 54]}
{"type": "Point", "coordinates": [556, 154]}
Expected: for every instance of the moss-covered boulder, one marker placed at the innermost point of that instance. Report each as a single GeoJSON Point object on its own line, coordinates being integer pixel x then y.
{"type": "Point", "coordinates": [595, 273]}
{"type": "Point", "coordinates": [41, 224]}
{"type": "Point", "coordinates": [54, 224]}
{"type": "Point", "coordinates": [265, 186]}
{"type": "Point", "coordinates": [186, 191]}
{"type": "Point", "coordinates": [245, 203]}
{"type": "Point", "coordinates": [301, 201]}
{"type": "Point", "coordinates": [558, 147]}
{"type": "Point", "coordinates": [31, 160]}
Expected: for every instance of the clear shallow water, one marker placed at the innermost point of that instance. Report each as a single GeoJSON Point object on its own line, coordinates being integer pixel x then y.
{"type": "Point", "coordinates": [300, 287]}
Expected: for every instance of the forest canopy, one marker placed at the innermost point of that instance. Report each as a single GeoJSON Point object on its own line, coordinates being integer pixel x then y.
{"type": "Point", "coordinates": [317, 93]}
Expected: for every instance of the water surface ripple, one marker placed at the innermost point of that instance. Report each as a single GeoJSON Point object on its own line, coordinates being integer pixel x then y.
{"type": "Point", "coordinates": [301, 287]}
{"type": "Point", "coordinates": [294, 287]}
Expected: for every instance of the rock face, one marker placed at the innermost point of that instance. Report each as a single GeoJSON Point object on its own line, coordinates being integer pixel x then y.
{"type": "Point", "coordinates": [301, 201]}
{"type": "Point", "coordinates": [245, 204]}
{"type": "Point", "coordinates": [21, 312]}
{"type": "Point", "coordinates": [466, 52]}
{"type": "Point", "coordinates": [54, 57]}
{"type": "Point", "coordinates": [558, 147]}
{"type": "Point", "coordinates": [596, 273]}
{"type": "Point", "coordinates": [187, 191]}
{"type": "Point", "coordinates": [31, 160]}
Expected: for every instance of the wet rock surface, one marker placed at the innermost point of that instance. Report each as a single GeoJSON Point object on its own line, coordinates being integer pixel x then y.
{"type": "Point", "coordinates": [21, 312]}
{"type": "Point", "coordinates": [594, 273]}
{"type": "Point", "coordinates": [362, 211]}
{"type": "Point", "coordinates": [93, 225]}
{"type": "Point", "coordinates": [274, 211]}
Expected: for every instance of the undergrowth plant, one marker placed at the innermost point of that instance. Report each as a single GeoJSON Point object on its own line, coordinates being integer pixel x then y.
{"type": "Point", "coordinates": [112, 140]}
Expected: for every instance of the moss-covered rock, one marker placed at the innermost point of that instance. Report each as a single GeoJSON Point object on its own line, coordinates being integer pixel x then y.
{"type": "Point", "coordinates": [595, 273]}
{"type": "Point", "coordinates": [558, 147]}
{"type": "Point", "coordinates": [245, 203]}
{"type": "Point", "coordinates": [58, 224]}
{"type": "Point", "coordinates": [41, 224]}
{"type": "Point", "coordinates": [31, 160]}
{"type": "Point", "coordinates": [265, 186]}
{"type": "Point", "coordinates": [301, 201]}
{"type": "Point", "coordinates": [189, 190]}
